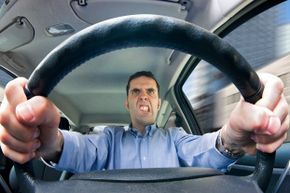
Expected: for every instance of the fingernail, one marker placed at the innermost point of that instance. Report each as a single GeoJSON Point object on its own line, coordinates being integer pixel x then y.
{"type": "Point", "coordinates": [25, 112]}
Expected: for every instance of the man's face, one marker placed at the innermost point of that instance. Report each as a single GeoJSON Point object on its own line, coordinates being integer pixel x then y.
{"type": "Point", "coordinates": [143, 102]}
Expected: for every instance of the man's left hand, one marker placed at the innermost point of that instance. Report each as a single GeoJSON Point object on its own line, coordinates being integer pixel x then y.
{"type": "Point", "coordinates": [262, 126]}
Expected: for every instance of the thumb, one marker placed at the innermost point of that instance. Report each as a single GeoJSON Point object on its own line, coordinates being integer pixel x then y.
{"type": "Point", "coordinates": [38, 112]}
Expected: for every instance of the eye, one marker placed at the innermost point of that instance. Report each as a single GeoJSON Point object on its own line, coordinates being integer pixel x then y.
{"type": "Point", "coordinates": [135, 92]}
{"type": "Point", "coordinates": [151, 91]}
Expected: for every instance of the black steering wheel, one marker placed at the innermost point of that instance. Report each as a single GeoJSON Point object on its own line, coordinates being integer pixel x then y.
{"type": "Point", "coordinates": [156, 31]}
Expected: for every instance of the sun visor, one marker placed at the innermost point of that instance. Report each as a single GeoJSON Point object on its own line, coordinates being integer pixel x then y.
{"type": "Point", "coordinates": [15, 34]}
{"type": "Point", "coordinates": [98, 10]}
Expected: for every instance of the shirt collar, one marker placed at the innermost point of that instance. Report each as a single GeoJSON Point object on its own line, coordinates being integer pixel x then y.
{"type": "Point", "coordinates": [149, 129]}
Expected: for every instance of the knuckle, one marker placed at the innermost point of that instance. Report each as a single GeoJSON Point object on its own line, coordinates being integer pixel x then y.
{"type": "Point", "coordinates": [5, 138]}
{"type": "Point", "coordinates": [5, 118]}
{"type": "Point", "coordinates": [285, 107]}
{"type": "Point", "coordinates": [42, 103]}
{"type": "Point", "coordinates": [284, 103]}
{"type": "Point", "coordinates": [261, 121]}
{"type": "Point", "coordinates": [279, 84]}
{"type": "Point", "coordinates": [10, 85]}
{"type": "Point", "coordinates": [10, 89]}
{"type": "Point", "coordinates": [276, 81]}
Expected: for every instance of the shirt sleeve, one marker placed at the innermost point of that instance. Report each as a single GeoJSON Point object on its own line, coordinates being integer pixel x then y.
{"type": "Point", "coordinates": [83, 153]}
{"type": "Point", "coordinates": [200, 151]}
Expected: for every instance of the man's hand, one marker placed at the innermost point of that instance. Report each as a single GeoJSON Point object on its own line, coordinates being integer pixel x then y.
{"type": "Point", "coordinates": [29, 128]}
{"type": "Point", "coordinates": [262, 126]}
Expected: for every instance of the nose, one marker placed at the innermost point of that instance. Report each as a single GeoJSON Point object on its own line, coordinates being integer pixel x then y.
{"type": "Point", "coordinates": [143, 96]}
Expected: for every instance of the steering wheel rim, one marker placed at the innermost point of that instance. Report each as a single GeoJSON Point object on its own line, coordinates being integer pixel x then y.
{"type": "Point", "coordinates": [155, 31]}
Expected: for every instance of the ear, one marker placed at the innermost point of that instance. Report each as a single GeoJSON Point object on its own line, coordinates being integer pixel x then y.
{"type": "Point", "coordinates": [126, 104]}
{"type": "Point", "coordinates": [159, 104]}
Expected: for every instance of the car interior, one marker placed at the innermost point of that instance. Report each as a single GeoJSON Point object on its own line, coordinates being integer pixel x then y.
{"type": "Point", "coordinates": [87, 84]}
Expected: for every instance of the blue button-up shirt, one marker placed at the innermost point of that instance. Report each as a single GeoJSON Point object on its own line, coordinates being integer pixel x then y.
{"type": "Point", "coordinates": [119, 148]}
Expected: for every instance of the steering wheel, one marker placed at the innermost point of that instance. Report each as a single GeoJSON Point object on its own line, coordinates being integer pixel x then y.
{"type": "Point", "coordinates": [154, 31]}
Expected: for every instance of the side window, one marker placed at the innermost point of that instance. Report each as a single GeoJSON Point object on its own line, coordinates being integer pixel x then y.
{"type": "Point", "coordinates": [5, 77]}
{"type": "Point", "coordinates": [265, 43]}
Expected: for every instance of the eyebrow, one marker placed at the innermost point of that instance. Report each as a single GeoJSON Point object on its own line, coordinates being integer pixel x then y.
{"type": "Point", "coordinates": [138, 89]}
{"type": "Point", "coordinates": [134, 89]}
{"type": "Point", "coordinates": [151, 89]}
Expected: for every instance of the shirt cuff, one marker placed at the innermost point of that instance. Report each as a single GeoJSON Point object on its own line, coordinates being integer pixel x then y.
{"type": "Point", "coordinates": [68, 154]}
{"type": "Point", "coordinates": [222, 158]}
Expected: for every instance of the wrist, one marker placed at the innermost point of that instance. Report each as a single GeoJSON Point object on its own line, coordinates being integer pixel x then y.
{"type": "Point", "coordinates": [57, 150]}
{"type": "Point", "coordinates": [230, 150]}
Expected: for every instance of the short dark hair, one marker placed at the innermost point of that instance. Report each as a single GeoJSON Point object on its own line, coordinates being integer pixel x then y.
{"type": "Point", "coordinates": [139, 74]}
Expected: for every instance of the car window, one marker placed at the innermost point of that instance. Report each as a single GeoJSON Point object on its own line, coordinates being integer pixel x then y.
{"type": "Point", "coordinates": [265, 43]}
{"type": "Point", "coordinates": [5, 77]}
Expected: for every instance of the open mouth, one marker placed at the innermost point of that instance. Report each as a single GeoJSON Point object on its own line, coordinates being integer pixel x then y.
{"type": "Point", "coordinates": [144, 108]}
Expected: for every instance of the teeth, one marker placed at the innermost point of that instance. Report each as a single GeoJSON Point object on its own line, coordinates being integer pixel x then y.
{"type": "Point", "coordinates": [144, 108]}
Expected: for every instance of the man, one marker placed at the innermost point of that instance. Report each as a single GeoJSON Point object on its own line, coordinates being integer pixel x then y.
{"type": "Point", "coordinates": [29, 129]}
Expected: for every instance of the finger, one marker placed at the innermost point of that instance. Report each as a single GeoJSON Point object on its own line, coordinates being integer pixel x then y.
{"type": "Point", "coordinates": [272, 91]}
{"type": "Point", "coordinates": [9, 124]}
{"type": "Point", "coordinates": [14, 95]}
{"type": "Point", "coordinates": [265, 139]}
{"type": "Point", "coordinates": [272, 126]}
{"type": "Point", "coordinates": [243, 118]}
{"type": "Point", "coordinates": [16, 156]}
{"type": "Point", "coordinates": [15, 86]}
{"type": "Point", "coordinates": [19, 146]}
{"type": "Point", "coordinates": [262, 121]}
{"type": "Point", "coordinates": [38, 111]}
{"type": "Point", "coordinates": [281, 110]}
{"type": "Point", "coordinates": [271, 147]}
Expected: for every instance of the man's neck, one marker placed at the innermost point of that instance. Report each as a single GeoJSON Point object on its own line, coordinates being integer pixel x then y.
{"type": "Point", "coordinates": [141, 128]}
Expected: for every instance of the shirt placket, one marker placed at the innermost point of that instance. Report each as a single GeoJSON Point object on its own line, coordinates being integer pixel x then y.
{"type": "Point", "coordinates": [144, 159]}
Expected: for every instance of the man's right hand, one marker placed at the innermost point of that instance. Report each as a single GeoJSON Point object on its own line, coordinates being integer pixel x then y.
{"type": "Point", "coordinates": [29, 128]}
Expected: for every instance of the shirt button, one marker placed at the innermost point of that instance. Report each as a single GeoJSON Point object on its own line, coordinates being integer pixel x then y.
{"type": "Point", "coordinates": [144, 158]}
